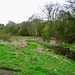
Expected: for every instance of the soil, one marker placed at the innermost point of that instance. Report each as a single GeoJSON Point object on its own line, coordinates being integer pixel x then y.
{"type": "Point", "coordinates": [7, 71]}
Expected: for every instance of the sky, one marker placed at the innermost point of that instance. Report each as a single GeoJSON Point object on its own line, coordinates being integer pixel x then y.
{"type": "Point", "coordinates": [20, 10]}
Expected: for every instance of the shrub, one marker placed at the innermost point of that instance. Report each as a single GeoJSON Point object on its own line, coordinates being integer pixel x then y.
{"type": "Point", "coordinates": [5, 37]}
{"type": "Point", "coordinates": [47, 32]}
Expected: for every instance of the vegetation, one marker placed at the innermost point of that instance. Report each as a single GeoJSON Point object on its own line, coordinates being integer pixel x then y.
{"type": "Point", "coordinates": [25, 61]}
{"type": "Point", "coordinates": [60, 24]}
{"type": "Point", "coordinates": [26, 48]}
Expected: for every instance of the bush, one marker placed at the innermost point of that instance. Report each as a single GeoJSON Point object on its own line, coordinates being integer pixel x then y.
{"type": "Point", "coordinates": [5, 37]}
{"type": "Point", "coordinates": [64, 31]}
{"type": "Point", "coordinates": [47, 32]}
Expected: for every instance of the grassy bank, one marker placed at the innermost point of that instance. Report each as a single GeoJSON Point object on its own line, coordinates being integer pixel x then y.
{"type": "Point", "coordinates": [29, 61]}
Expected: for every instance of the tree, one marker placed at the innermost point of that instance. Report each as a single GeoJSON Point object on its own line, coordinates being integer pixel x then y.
{"type": "Point", "coordinates": [64, 27]}
{"type": "Point", "coordinates": [1, 26]}
{"type": "Point", "coordinates": [11, 27]}
{"type": "Point", "coordinates": [23, 28]}
{"type": "Point", "coordinates": [70, 5]}
{"type": "Point", "coordinates": [51, 10]}
{"type": "Point", "coordinates": [34, 23]}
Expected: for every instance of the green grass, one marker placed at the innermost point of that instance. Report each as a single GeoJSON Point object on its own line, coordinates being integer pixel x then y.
{"type": "Point", "coordinates": [16, 38]}
{"type": "Point", "coordinates": [32, 62]}
{"type": "Point", "coordinates": [32, 45]}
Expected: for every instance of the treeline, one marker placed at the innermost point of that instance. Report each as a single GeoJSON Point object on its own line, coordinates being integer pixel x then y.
{"type": "Point", "coordinates": [59, 24]}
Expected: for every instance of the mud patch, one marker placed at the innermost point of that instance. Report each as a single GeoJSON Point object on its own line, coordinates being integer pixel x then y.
{"type": "Point", "coordinates": [9, 69]}
{"type": "Point", "coordinates": [4, 72]}
{"type": "Point", "coordinates": [40, 50]}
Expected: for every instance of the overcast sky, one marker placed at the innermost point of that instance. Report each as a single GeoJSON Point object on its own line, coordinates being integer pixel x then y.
{"type": "Point", "coordinates": [20, 10]}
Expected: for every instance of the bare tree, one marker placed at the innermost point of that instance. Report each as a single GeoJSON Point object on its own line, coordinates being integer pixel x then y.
{"type": "Point", "coordinates": [47, 11]}
{"type": "Point", "coordinates": [35, 18]}
{"type": "Point", "coordinates": [51, 11]}
{"type": "Point", "coordinates": [70, 7]}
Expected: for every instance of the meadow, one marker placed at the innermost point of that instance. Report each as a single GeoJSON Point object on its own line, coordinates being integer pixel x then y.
{"type": "Point", "coordinates": [24, 56]}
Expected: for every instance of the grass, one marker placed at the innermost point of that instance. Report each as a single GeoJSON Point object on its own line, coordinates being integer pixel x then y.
{"type": "Point", "coordinates": [33, 45]}
{"type": "Point", "coordinates": [71, 46]}
{"type": "Point", "coordinates": [29, 38]}
{"type": "Point", "coordinates": [31, 62]}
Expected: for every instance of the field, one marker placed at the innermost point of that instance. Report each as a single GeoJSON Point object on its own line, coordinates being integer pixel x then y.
{"type": "Point", "coordinates": [24, 56]}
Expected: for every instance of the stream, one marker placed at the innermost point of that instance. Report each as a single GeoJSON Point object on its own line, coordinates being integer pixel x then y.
{"type": "Point", "coordinates": [61, 50]}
